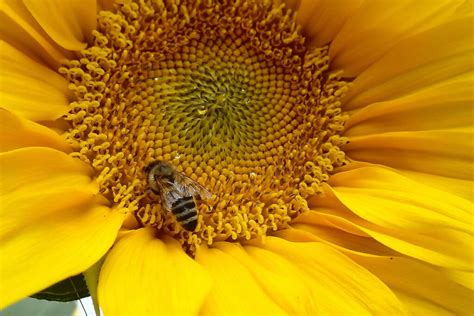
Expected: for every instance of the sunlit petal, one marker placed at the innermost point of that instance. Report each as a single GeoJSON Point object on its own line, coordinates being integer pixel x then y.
{"type": "Point", "coordinates": [447, 153]}
{"type": "Point", "coordinates": [323, 19]}
{"type": "Point", "coordinates": [328, 271]}
{"type": "Point", "coordinates": [16, 132]}
{"type": "Point", "coordinates": [419, 285]}
{"type": "Point", "coordinates": [233, 284]}
{"type": "Point", "coordinates": [143, 275]}
{"type": "Point", "coordinates": [415, 63]}
{"type": "Point", "coordinates": [440, 106]}
{"type": "Point", "coordinates": [41, 96]}
{"type": "Point", "coordinates": [20, 29]}
{"type": "Point", "coordinates": [69, 23]}
{"type": "Point", "coordinates": [378, 26]}
{"type": "Point", "coordinates": [407, 216]}
{"type": "Point", "coordinates": [47, 211]}
{"type": "Point", "coordinates": [284, 284]}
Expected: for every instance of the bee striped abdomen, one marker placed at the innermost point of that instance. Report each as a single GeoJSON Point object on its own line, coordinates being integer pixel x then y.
{"type": "Point", "coordinates": [185, 211]}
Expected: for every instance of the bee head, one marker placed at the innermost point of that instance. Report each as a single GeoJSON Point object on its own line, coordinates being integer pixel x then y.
{"type": "Point", "coordinates": [147, 168]}
{"type": "Point", "coordinates": [159, 168]}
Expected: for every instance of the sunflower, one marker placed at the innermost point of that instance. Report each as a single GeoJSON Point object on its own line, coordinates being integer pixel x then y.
{"type": "Point", "coordinates": [334, 136]}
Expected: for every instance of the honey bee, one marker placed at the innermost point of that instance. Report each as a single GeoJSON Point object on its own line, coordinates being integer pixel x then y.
{"type": "Point", "coordinates": [178, 192]}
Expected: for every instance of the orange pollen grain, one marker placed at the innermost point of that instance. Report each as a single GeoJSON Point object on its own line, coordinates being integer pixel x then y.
{"type": "Point", "coordinates": [227, 92]}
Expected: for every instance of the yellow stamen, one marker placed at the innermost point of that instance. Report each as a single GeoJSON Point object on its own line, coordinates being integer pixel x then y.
{"type": "Point", "coordinates": [228, 93]}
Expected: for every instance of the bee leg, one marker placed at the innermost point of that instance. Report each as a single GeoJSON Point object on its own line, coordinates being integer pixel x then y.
{"type": "Point", "coordinates": [150, 192]}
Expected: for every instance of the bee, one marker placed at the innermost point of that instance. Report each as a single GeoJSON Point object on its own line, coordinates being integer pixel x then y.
{"type": "Point", "coordinates": [178, 192]}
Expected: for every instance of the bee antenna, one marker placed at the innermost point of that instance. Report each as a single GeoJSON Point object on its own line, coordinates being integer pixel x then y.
{"type": "Point", "coordinates": [78, 297]}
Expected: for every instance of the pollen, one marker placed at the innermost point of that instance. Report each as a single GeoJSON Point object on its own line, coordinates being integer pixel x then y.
{"type": "Point", "coordinates": [227, 92]}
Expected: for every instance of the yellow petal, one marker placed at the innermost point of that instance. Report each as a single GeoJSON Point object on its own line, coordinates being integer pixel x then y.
{"type": "Point", "coordinates": [323, 19]}
{"type": "Point", "coordinates": [465, 278]}
{"type": "Point", "coordinates": [409, 217]}
{"type": "Point", "coordinates": [234, 289]}
{"type": "Point", "coordinates": [40, 168]}
{"type": "Point", "coordinates": [16, 62]}
{"type": "Point", "coordinates": [344, 241]}
{"type": "Point", "coordinates": [316, 217]}
{"type": "Point", "coordinates": [441, 106]}
{"type": "Point", "coordinates": [422, 206]}
{"type": "Point", "coordinates": [339, 286]}
{"type": "Point", "coordinates": [55, 246]}
{"type": "Point", "coordinates": [419, 306]}
{"type": "Point", "coordinates": [284, 284]}
{"type": "Point", "coordinates": [415, 63]}
{"type": "Point", "coordinates": [308, 229]}
{"type": "Point", "coordinates": [421, 286]}
{"type": "Point", "coordinates": [459, 187]}
{"type": "Point", "coordinates": [377, 26]}
{"type": "Point", "coordinates": [38, 181]}
{"type": "Point", "coordinates": [69, 23]}
{"type": "Point", "coordinates": [105, 5]}
{"type": "Point", "coordinates": [20, 29]}
{"type": "Point", "coordinates": [465, 9]}
{"type": "Point", "coordinates": [16, 132]}
{"type": "Point", "coordinates": [447, 153]}
{"type": "Point", "coordinates": [146, 275]}
{"type": "Point", "coordinates": [444, 247]}
{"type": "Point", "coordinates": [30, 97]}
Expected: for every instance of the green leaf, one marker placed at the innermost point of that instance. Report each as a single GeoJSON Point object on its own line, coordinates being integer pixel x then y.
{"type": "Point", "coordinates": [70, 289]}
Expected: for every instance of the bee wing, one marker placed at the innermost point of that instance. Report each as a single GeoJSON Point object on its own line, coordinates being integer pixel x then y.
{"type": "Point", "coordinates": [192, 187]}
{"type": "Point", "coordinates": [167, 196]}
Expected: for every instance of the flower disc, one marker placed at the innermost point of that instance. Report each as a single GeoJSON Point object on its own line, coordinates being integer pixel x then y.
{"type": "Point", "coordinates": [227, 92]}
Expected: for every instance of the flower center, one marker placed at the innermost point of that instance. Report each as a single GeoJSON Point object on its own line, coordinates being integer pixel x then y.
{"type": "Point", "coordinates": [226, 92]}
